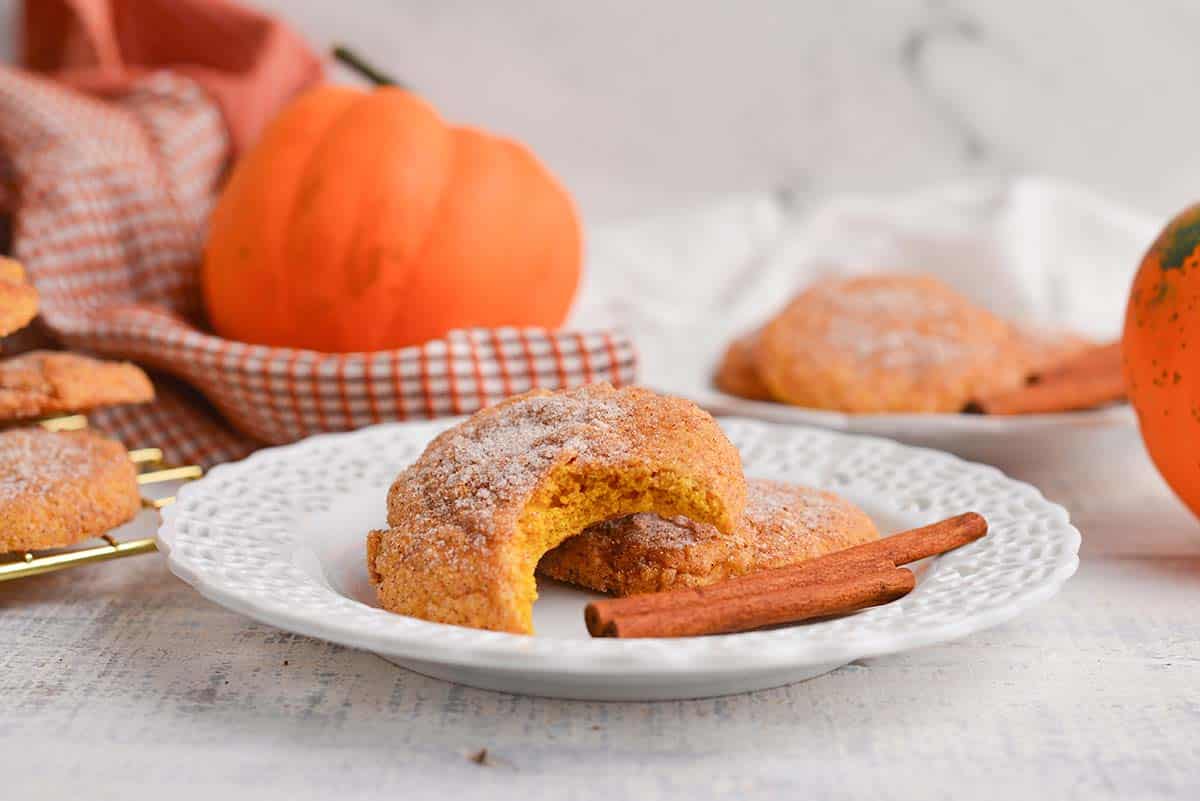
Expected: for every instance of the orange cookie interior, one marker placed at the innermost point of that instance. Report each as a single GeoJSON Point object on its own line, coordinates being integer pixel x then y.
{"type": "Point", "coordinates": [783, 524]}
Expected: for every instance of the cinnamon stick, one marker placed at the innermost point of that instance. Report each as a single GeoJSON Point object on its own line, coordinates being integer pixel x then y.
{"type": "Point", "coordinates": [600, 615]}
{"type": "Point", "coordinates": [1067, 393]}
{"type": "Point", "coordinates": [783, 606]}
{"type": "Point", "coordinates": [837, 583]}
{"type": "Point", "coordinates": [1094, 359]}
{"type": "Point", "coordinates": [919, 543]}
{"type": "Point", "coordinates": [1091, 378]}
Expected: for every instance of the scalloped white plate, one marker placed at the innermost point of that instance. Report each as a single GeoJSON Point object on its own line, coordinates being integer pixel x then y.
{"type": "Point", "coordinates": [280, 537]}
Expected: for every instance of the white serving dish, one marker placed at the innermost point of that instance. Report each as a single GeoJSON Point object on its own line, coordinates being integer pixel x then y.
{"type": "Point", "coordinates": [280, 537]}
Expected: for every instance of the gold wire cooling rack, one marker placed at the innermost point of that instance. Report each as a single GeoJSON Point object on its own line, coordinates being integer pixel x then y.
{"type": "Point", "coordinates": [151, 471]}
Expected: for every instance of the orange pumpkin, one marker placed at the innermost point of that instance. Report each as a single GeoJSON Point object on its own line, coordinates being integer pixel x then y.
{"type": "Point", "coordinates": [362, 221]}
{"type": "Point", "coordinates": [1161, 351]}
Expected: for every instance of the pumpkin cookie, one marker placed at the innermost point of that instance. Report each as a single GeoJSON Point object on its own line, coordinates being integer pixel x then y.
{"type": "Point", "coordinates": [469, 520]}
{"type": "Point", "coordinates": [57, 488]}
{"type": "Point", "coordinates": [737, 373]}
{"type": "Point", "coordinates": [46, 382]}
{"type": "Point", "coordinates": [892, 343]}
{"type": "Point", "coordinates": [783, 524]}
{"type": "Point", "coordinates": [18, 300]}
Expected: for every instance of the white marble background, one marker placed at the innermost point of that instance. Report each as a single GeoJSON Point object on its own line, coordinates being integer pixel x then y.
{"type": "Point", "coordinates": [643, 106]}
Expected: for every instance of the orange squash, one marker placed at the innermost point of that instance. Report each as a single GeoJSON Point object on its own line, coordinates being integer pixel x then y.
{"type": "Point", "coordinates": [362, 221]}
{"type": "Point", "coordinates": [1161, 353]}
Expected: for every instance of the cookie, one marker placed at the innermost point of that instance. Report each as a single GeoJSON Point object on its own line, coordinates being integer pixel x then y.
{"type": "Point", "coordinates": [18, 299]}
{"type": "Point", "coordinates": [45, 382]}
{"type": "Point", "coordinates": [888, 343]}
{"type": "Point", "coordinates": [783, 524]}
{"type": "Point", "coordinates": [469, 520]}
{"type": "Point", "coordinates": [58, 488]}
{"type": "Point", "coordinates": [737, 373]}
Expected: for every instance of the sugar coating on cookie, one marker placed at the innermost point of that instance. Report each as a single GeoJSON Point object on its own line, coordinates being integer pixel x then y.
{"type": "Point", "coordinates": [783, 524]}
{"type": "Point", "coordinates": [18, 299]}
{"type": "Point", "coordinates": [40, 383]}
{"type": "Point", "coordinates": [737, 373]}
{"type": "Point", "coordinates": [889, 343]}
{"type": "Point", "coordinates": [58, 488]}
{"type": "Point", "coordinates": [470, 518]}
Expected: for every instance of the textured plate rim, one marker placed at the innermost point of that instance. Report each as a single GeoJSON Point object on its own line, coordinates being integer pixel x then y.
{"type": "Point", "coordinates": [717, 402]}
{"type": "Point", "coordinates": [402, 637]}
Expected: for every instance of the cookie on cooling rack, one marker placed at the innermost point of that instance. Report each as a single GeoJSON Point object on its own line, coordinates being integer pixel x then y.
{"type": "Point", "coordinates": [43, 382]}
{"type": "Point", "coordinates": [59, 488]}
{"type": "Point", "coordinates": [18, 299]}
{"type": "Point", "coordinates": [783, 524]}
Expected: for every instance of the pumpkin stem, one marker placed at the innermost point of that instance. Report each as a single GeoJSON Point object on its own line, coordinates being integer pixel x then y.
{"type": "Point", "coordinates": [356, 63]}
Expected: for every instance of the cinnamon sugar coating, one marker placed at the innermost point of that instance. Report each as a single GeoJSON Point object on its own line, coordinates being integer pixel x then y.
{"type": "Point", "coordinates": [470, 518]}
{"type": "Point", "coordinates": [58, 488]}
{"type": "Point", "coordinates": [49, 382]}
{"type": "Point", "coordinates": [18, 299]}
{"type": "Point", "coordinates": [783, 524]}
{"type": "Point", "coordinates": [737, 374]}
{"type": "Point", "coordinates": [887, 343]}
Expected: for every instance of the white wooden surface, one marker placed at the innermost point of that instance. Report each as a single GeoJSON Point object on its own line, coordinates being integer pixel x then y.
{"type": "Point", "coordinates": [118, 681]}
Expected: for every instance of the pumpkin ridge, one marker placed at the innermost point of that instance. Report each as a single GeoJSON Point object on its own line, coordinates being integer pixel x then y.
{"type": "Point", "coordinates": [361, 250]}
{"type": "Point", "coordinates": [413, 262]}
{"type": "Point", "coordinates": [535, 164]}
{"type": "Point", "coordinates": [296, 289]}
{"type": "Point", "coordinates": [414, 254]}
{"type": "Point", "coordinates": [349, 331]}
{"type": "Point", "coordinates": [420, 252]}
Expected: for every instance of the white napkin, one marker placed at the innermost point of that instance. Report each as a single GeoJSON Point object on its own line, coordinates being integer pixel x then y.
{"type": "Point", "coordinates": [1034, 250]}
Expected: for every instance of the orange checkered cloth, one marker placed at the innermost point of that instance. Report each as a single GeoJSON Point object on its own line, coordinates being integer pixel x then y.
{"type": "Point", "coordinates": [109, 200]}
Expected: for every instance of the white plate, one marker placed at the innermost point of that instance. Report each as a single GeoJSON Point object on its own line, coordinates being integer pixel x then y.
{"type": "Point", "coordinates": [972, 436]}
{"type": "Point", "coordinates": [913, 425]}
{"type": "Point", "coordinates": [1061, 442]}
{"type": "Point", "coordinates": [280, 537]}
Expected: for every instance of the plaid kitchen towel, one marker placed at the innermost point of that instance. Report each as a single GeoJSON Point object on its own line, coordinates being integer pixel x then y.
{"type": "Point", "coordinates": [109, 200]}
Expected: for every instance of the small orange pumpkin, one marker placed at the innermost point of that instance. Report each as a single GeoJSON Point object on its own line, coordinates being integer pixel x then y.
{"type": "Point", "coordinates": [362, 221]}
{"type": "Point", "coordinates": [1161, 352]}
